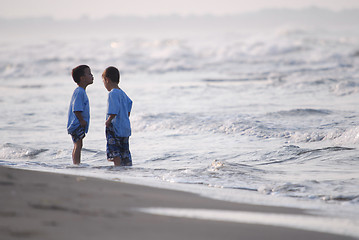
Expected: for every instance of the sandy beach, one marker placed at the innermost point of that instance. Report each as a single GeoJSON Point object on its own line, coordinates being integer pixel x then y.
{"type": "Point", "coordinates": [38, 205]}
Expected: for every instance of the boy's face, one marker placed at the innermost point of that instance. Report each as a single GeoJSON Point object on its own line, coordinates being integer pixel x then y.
{"type": "Point", "coordinates": [106, 81]}
{"type": "Point", "coordinates": [87, 77]}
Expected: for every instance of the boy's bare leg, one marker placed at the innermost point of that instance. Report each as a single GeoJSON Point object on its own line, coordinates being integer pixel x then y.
{"type": "Point", "coordinates": [117, 161]}
{"type": "Point", "coordinates": [76, 153]}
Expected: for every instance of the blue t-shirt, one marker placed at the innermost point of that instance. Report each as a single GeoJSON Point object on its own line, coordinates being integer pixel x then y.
{"type": "Point", "coordinates": [79, 102]}
{"type": "Point", "coordinates": [120, 104]}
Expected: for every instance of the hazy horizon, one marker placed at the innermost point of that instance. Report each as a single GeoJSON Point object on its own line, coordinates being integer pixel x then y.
{"type": "Point", "coordinates": [239, 14]}
{"type": "Point", "coordinates": [167, 25]}
{"type": "Point", "coordinates": [75, 9]}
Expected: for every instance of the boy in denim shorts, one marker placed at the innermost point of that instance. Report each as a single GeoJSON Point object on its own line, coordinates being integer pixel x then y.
{"type": "Point", "coordinates": [118, 127]}
{"type": "Point", "coordinates": [79, 110]}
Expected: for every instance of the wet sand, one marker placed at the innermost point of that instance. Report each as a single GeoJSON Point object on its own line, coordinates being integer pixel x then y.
{"type": "Point", "coordinates": [38, 205]}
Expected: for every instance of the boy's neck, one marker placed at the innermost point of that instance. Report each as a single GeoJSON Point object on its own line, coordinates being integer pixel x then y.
{"type": "Point", "coordinates": [82, 85]}
{"type": "Point", "coordinates": [114, 86]}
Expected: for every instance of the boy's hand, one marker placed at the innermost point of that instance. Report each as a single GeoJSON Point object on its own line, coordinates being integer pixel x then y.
{"type": "Point", "coordinates": [83, 123]}
{"type": "Point", "coordinates": [108, 123]}
{"type": "Point", "coordinates": [109, 120]}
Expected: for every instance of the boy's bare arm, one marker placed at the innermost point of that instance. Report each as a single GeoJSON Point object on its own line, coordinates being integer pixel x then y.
{"type": "Point", "coordinates": [78, 114]}
{"type": "Point", "coordinates": [109, 120]}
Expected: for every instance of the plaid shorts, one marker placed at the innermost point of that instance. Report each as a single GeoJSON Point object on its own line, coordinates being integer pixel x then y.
{"type": "Point", "coordinates": [118, 147]}
{"type": "Point", "coordinates": [78, 134]}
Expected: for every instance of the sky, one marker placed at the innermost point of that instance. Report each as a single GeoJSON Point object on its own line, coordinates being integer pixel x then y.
{"type": "Point", "coordinates": [74, 9]}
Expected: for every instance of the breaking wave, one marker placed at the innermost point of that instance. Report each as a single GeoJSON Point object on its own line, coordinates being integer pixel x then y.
{"type": "Point", "coordinates": [293, 53]}
{"type": "Point", "coordinates": [249, 126]}
{"type": "Point", "coordinates": [14, 151]}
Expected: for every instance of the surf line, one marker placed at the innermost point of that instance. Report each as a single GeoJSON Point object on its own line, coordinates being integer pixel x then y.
{"type": "Point", "coordinates": [339, 226]}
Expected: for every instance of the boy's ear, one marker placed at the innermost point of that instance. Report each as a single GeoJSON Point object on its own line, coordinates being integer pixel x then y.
{"type": "Point", "coordinates": [82, 78]}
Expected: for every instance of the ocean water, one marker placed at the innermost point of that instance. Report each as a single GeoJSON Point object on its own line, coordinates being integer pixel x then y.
{"type": "Point", "coordinates": [268, 118]}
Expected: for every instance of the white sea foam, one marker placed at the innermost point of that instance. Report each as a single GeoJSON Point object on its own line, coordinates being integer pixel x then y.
{"type": "Point", "coordinates": [13, 151]}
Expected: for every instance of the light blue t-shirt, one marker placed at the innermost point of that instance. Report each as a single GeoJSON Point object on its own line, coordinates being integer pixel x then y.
{"type": "Point", "coordinates": [120, 104]}
{"type": "Point", "coordinates": [79, 102]}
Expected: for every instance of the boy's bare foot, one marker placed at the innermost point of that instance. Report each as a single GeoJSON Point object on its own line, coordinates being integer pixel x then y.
{"type": "Point", "coordinates": [117, 161]}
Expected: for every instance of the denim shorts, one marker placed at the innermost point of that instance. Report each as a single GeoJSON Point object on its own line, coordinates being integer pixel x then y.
{"type": "Point", "coordinates": [118, 147]}
{"type": "Point", "coordinates": [78, 134]}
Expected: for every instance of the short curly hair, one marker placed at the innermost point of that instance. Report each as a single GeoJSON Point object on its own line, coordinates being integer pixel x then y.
{"type": "Point", "coordinates": [113, 74]}
{"type": "Point", "coordinates": [78, 72]}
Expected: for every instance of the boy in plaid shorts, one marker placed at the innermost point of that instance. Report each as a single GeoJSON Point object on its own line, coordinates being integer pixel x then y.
{"type": "Point", "coordinates": [118, 127]}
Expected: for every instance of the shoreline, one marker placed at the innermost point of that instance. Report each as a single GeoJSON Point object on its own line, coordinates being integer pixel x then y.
{"type": "Point", "coordinates": [58, 206]}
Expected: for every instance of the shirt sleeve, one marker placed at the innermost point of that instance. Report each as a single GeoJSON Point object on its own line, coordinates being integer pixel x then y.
{"type": "Point", "coordinates": [113, 105]}
{"type": "Point", "coordinates": [129, 105]}
{"type": "Point", "coordinates": [78, 104]}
